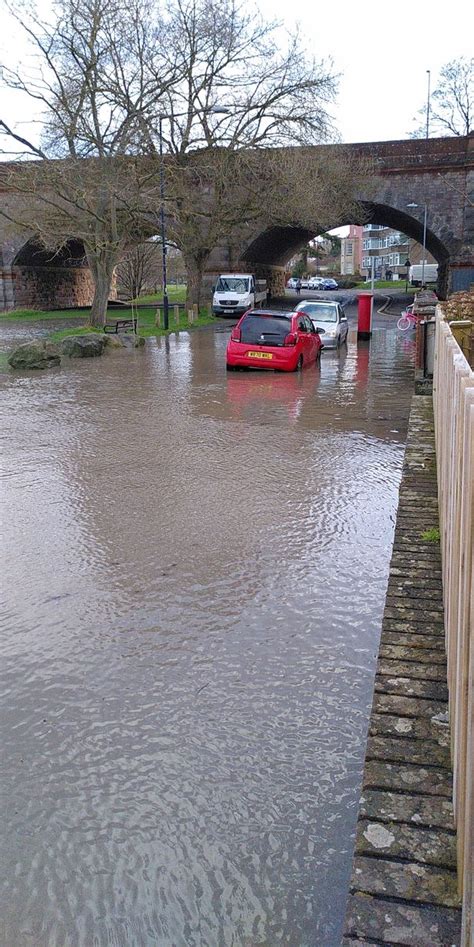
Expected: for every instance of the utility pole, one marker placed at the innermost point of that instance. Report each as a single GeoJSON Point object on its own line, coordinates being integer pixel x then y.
{"type": "Point", "coordinates": [162, 228]}
{"type": "Point", "coordinates": [428, 105]}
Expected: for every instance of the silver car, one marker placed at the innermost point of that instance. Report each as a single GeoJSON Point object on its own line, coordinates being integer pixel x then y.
{"type": "Point", "coordinates": [316, 282]}
{"type": "Point", "coordinates": [329, 318]}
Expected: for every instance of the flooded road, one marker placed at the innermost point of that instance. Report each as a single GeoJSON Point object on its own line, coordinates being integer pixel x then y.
{"type": "Point", "coordinates": [194, 567]}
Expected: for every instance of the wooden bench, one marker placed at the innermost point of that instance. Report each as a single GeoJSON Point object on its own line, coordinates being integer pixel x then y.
{"type": "Point", "coordinates": [120, 325]}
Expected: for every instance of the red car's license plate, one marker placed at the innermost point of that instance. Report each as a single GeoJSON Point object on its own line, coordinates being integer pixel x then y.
{"type": "Point", "coordinates": [259, 354]}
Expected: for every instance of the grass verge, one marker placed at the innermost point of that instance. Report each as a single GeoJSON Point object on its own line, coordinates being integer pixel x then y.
{"type": "Point", "coordinates": [176, 294]}
{"type": "Point", "coordinates": [146, 323]}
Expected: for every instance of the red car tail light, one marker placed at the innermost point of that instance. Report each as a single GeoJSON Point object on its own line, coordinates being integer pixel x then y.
{"type": "Point", "coordinates": [291, 339]}
{"type": "Point", "coordinates": [235, 335]}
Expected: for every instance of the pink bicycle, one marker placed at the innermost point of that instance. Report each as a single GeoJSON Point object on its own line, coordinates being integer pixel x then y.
{"type": "Point", "coordinates": [407, 320]}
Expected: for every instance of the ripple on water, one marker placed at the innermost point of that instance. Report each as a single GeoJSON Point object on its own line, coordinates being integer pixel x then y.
{"type": "Point", "coordinates": [195, 579]}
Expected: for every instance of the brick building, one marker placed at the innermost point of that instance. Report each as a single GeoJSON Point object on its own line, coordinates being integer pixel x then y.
{"type": "Point", "coordinates": [351, 251]}
{"type": "Point", "coordinates": [389, 249]}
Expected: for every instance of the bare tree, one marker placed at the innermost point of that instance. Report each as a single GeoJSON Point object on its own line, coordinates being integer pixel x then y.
{"type": "Point", "coordinates": [224, 55]}
{"type": "Point", "coordinates": [138, 268]}
{"type": "Point", "coordinates": [452, 102]}
{"type": "Point", "coordinates": [217, 195]}
{"type": "Point", "coordinates": [226, 89]}
{"type": "Point", "coordinates": [99, 202]}
{"type": "Point", "coordinates": [95, 75]}
{"type": "Point", "coordinates": [242, 85]}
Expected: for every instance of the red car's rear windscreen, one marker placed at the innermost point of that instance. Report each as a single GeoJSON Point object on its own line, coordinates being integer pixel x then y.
{"type": "Point", "coordinates": [265, 330]}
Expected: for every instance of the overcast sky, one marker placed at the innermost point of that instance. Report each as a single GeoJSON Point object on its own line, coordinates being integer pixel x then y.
{"type": "Point", "coordinates": [382, 51]}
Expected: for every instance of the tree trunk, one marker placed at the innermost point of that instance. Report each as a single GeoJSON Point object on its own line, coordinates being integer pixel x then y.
{"type": "Point", "coordinates": [102, 272]}
{"type": "Point", "coordinates": [194, 271]}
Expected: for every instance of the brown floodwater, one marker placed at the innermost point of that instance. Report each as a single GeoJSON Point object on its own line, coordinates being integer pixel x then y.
{"type": "Point", "coordinates": [194, 568]}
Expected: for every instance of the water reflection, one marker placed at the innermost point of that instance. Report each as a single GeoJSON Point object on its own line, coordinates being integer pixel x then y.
{"type": "Point", "coordinates": [194, 583]}
{"type": "Point", "coordinates": [270, 395]}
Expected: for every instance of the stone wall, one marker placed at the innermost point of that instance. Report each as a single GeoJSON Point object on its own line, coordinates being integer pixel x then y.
{"type": "Point", "coordinates": [47, 287]}
{"type": "Point", "coordinates": [52, 287]}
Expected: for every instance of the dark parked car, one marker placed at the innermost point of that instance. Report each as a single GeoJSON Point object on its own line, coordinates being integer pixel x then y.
{"type": "Point", "coordinates": [329, 283]}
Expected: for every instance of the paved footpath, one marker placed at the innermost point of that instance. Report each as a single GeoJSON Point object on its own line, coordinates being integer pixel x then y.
{"type": "Point", "coordinates": [403, 885]}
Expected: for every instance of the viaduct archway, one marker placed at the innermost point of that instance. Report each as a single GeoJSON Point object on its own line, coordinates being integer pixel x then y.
{"type": "Point", "coordinates": [438, 172]}
{"type": "Point", "coordinates": [271, 250]}
{"type": "Point", "coordinates": [43, 279]}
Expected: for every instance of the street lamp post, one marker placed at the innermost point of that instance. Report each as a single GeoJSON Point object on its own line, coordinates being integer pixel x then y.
{"type": "Point", "coordinates": [425, 214]}
{"type": "Point", "coordinates": [428, 104]}
{"type": "Point", "coordinates": [166, 307]}
{"type": "Point", "coordinates": [213, 110]}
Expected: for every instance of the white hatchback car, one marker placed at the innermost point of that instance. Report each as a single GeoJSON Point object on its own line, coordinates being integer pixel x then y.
{"type": "Point", "coordinates": [329, 318]}
{"type": "Point", "coordinates": [316, 282]}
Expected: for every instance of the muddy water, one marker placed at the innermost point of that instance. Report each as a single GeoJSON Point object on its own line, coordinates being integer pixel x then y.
{"type": "Point", "coordinates": [194, 570]}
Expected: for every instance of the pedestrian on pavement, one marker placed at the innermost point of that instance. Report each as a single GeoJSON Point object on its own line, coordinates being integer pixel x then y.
{"type": "Point", "coordinates": [298, 287]}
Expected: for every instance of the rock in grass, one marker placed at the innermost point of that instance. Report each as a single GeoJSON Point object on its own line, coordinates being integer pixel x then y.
{"type": "Point", "coordinates": [113, 341]}
{"type": "Point", "coordinates": [38, 354]}
{"type": "Point", "coordinates": [83, 346]}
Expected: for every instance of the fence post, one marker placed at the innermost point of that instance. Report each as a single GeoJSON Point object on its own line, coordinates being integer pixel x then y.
{"type": "Point", "coordinates": [176, 315]}
{"type": "Point", "coordinates": [158, 318]}
{"type": "Point", "coordinates": [191, 316]}
{"type": "Point", "coordinates": [453, 396]}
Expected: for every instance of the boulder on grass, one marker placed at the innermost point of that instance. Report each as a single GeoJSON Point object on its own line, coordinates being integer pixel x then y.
{"type": "Point", "coordinates": [113, 342]}
{"type": "Point", "coordinates": [83, 346]}
{"type": "Point", "coordinates": [38, 353]}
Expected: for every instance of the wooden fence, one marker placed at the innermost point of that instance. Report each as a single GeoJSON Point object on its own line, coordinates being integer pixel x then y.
{"type": "Point", "coordinates": [453, 394]}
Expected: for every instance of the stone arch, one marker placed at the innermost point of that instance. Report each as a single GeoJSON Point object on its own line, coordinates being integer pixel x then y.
{"type": "Point", "coordinates": [270, 250]}
{"type": "Point", "coordinates": [43, 278]}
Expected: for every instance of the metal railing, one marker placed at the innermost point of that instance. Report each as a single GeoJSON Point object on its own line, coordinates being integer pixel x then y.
{"type": "Point", "coordinates": [453, 395]}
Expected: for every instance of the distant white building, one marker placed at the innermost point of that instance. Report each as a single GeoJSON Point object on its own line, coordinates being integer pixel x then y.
{"type": "Point", "coordinates": [390, 250]}
{"type": "Point", "coordinates": [351, 251]}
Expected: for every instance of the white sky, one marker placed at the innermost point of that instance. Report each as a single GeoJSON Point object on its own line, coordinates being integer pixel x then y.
{"type": "Point", "coordinates": [382, 50]}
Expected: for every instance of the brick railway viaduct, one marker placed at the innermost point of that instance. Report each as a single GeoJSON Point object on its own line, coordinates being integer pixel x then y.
{"type": "Point", "coordinates": [437, 171]}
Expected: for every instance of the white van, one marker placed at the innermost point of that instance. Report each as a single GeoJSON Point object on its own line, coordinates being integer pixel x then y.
{"type": "Point", "coordinates": [430, 274]}
{"type": "Point", "coordinates": [234, 293]}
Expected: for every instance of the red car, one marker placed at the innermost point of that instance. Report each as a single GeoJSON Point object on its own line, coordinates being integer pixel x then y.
{"type": "Point", "coordinates": [281, 341]}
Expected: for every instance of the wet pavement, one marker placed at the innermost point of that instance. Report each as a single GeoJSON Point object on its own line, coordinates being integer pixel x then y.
{"type": "Point", "coordinates": [194, 567]}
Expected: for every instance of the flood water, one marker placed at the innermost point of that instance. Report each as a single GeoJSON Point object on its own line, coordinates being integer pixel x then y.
{"type": "Point", "coordinates": [194, 568]}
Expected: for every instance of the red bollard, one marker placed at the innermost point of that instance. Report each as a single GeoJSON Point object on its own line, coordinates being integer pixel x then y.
{"type": "Point", "coordinates": [364, 320]}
